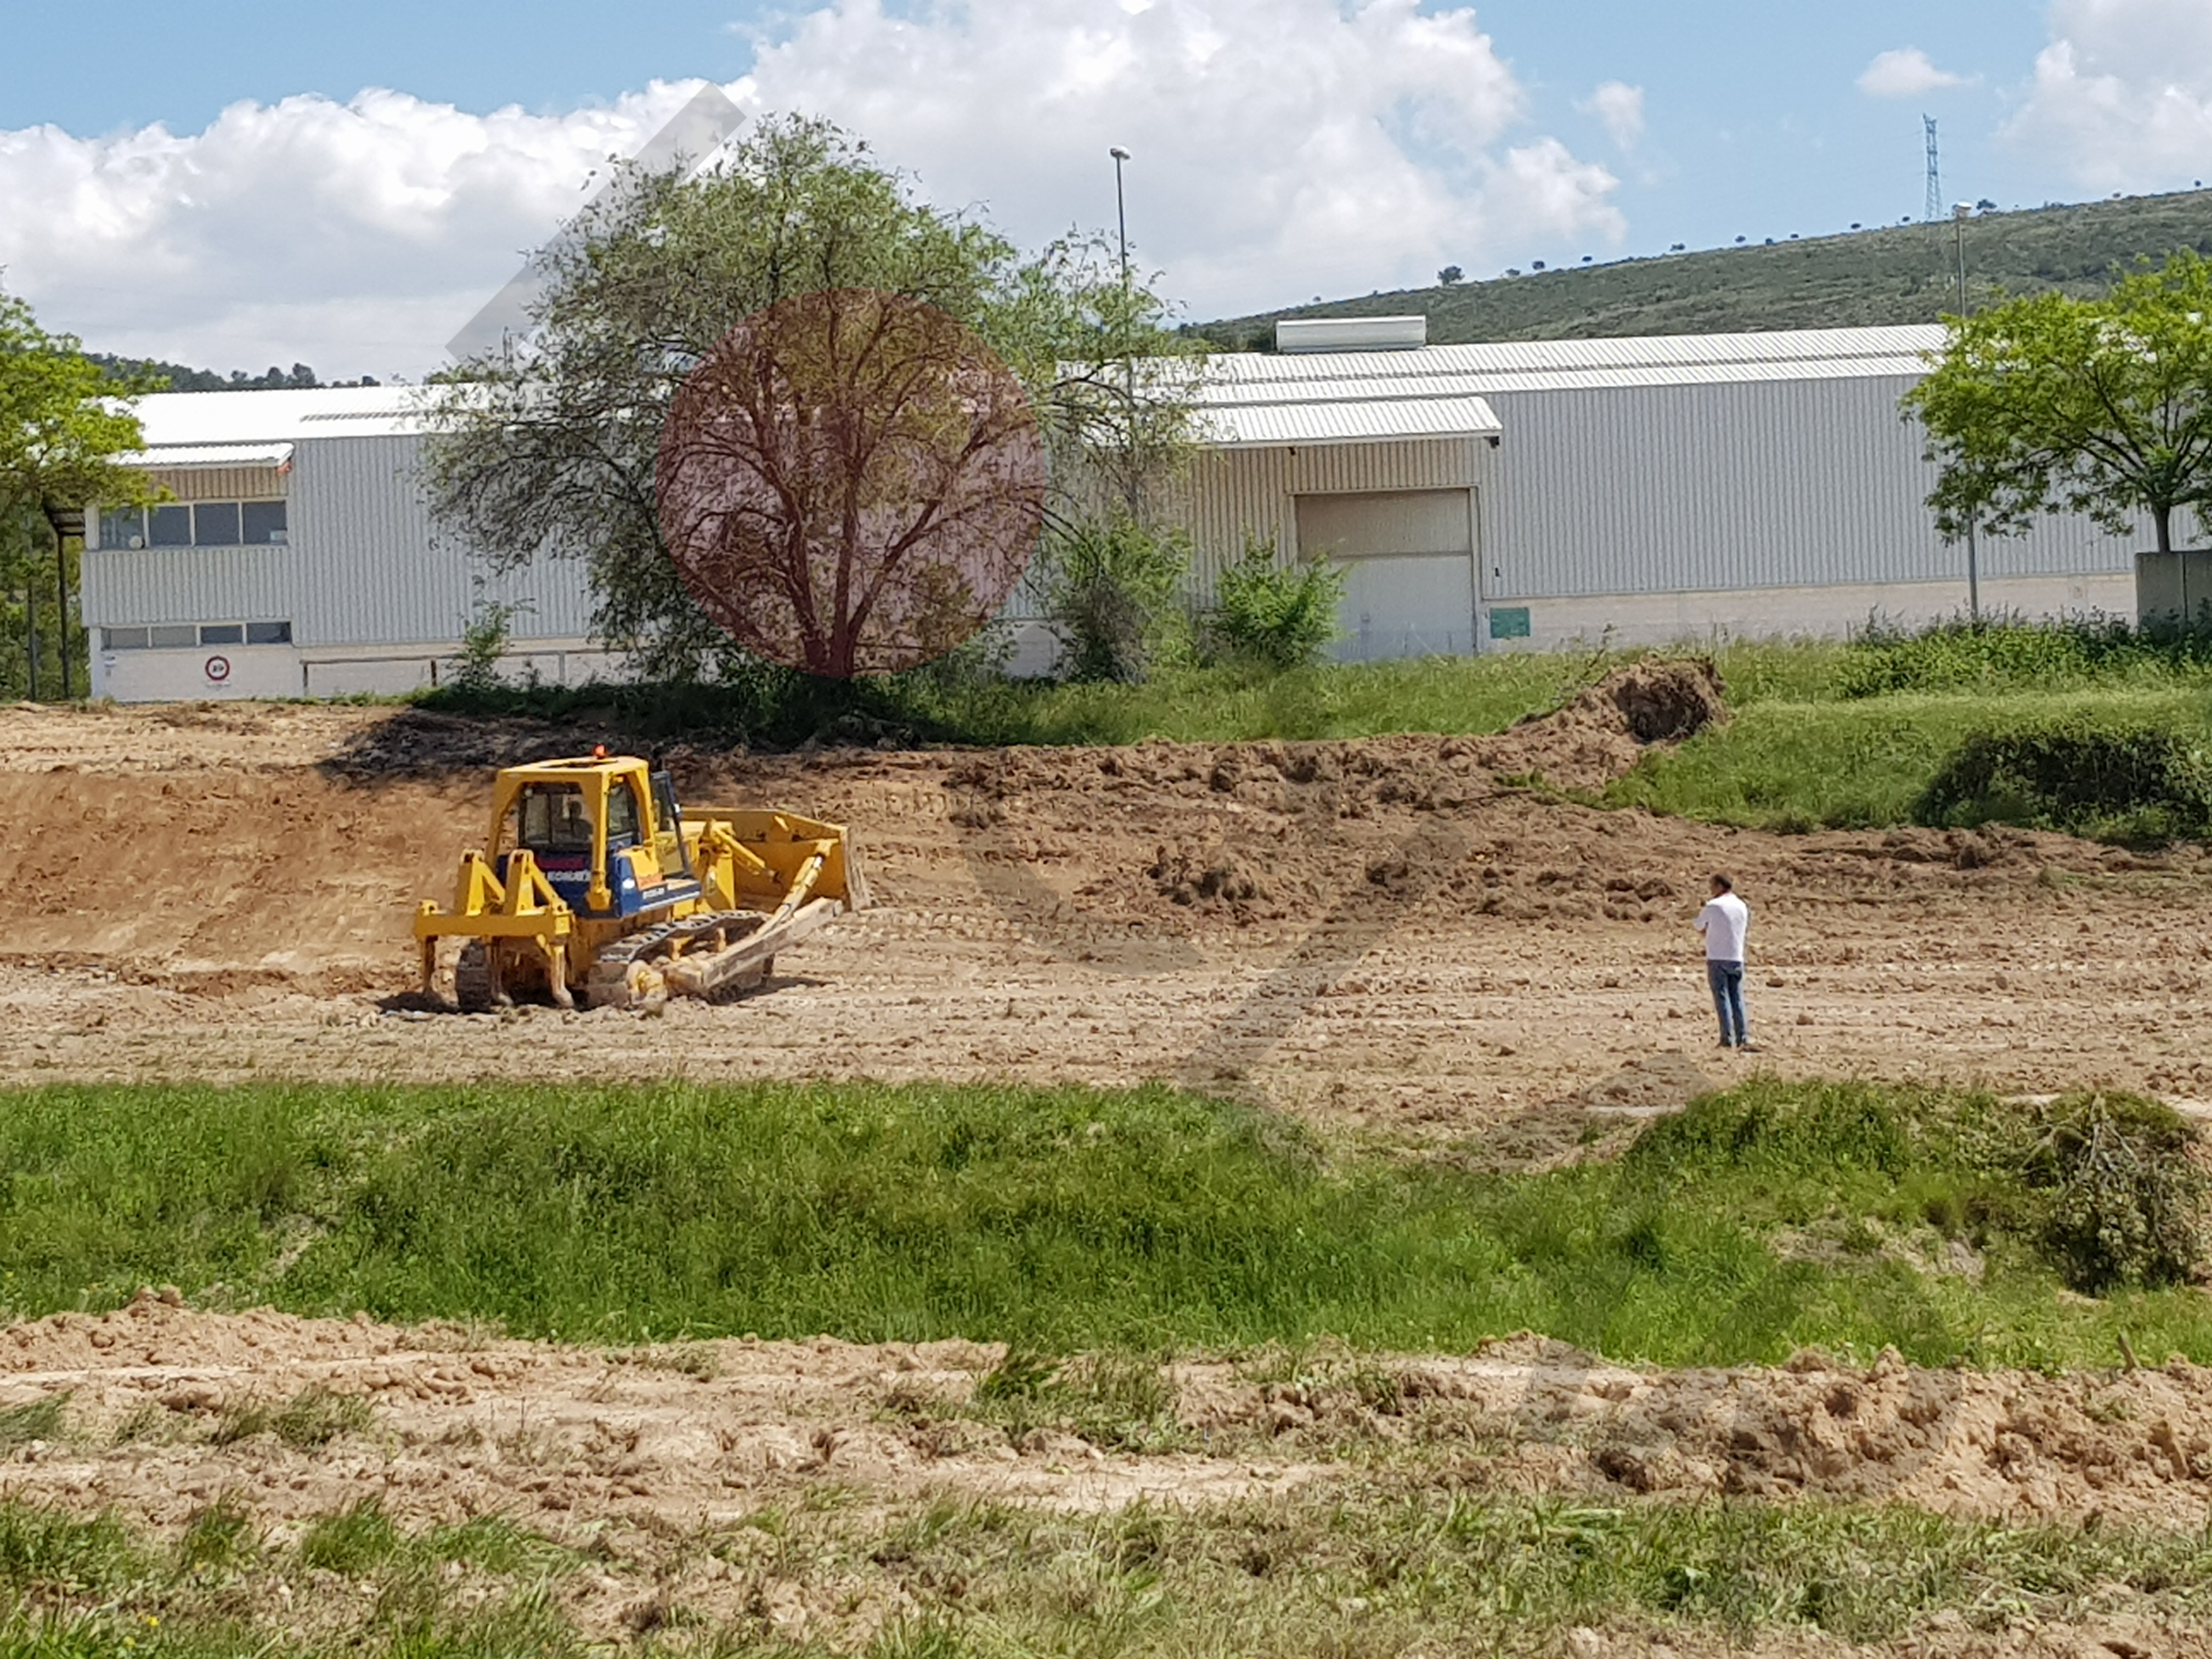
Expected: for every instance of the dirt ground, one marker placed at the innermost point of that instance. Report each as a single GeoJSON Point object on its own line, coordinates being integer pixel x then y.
{"type": "Point", "coordinates": [445, 1425]}
{"type": "Point", "coordinates": [1380, 936]}
{"type": "Point", "coordinates": [1392, 939]}
{"type": "Point", "coordinates": [464, 1424]}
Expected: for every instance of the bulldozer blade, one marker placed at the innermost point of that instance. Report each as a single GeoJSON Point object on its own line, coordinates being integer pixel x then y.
{"type": "Point", "coordinates": [704, 974]}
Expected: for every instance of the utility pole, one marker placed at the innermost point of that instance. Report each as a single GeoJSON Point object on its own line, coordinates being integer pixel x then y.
{"type": "Point", "coordinates": [30, 632]}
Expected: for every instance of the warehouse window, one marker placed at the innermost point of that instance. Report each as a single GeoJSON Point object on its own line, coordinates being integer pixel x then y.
{"type": "Point", "coordinates": [179, 636]}
{"type": "Point", "coordinates": [208, 523]}
{"type": "Point", "coordinates": [169, 526]}
{"type": "Point", "coordinates": [215, 524]}
{"type": "Point", "coordinates": [263, 523]}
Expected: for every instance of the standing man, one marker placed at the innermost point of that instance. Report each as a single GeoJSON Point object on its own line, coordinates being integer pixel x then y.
{"type": "Point", "coordinates": [1724, 921]}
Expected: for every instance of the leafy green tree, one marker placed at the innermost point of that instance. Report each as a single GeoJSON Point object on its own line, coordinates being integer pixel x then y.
{"type": "Point", "coordinates": [550, 452]}
{"type": "Point", "coordinates": [2100, 406]}
{"type": "Point", "coordinates": [63, 422]}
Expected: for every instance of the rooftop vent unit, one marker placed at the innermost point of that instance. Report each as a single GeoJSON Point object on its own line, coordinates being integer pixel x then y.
{"type": "Point", "coordinates": [1352, 334]}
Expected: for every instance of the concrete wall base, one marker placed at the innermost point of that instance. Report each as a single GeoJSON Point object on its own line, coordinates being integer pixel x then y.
{"type": "Point", "coordinates": [2175, 587]}
{"type": "Point", "coordinates": [1652, 619]}
{"type": "Point", "coordinates": [229, 672]}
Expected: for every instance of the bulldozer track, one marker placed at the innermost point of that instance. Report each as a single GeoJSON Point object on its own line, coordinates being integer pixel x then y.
{"type": "Point", "coordinates": [622, 974]}
{"type": "Point", "coordinates": [472, 979]}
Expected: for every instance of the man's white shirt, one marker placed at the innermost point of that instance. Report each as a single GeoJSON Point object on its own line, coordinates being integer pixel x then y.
{"type": "Point", "coordinates": [1724, 921]}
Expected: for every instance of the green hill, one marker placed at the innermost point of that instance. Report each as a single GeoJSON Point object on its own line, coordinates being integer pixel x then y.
{"type": "Point", "coordinates": [1894, 274]}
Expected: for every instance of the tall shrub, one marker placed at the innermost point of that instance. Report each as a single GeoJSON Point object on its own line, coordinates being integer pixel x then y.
{"type": "Point", "coordinates": [1281, 615]}
{"type": "Point", "coordinates": [1110, 589]}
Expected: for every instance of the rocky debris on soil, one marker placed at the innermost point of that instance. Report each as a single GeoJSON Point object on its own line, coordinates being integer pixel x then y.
{"type": "Point", "coordinates": [1202, 881]}
{"type": "Point", "coordinates": [1647, 1085]}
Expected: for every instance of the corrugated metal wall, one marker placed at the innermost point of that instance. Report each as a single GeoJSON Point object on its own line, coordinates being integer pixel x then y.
{"type": "Point", "coordinates": [371, 569]}
{"type": "Point", "coordinates": [225, 483]}
{"type": "Point", "coordinates": [363, 565]}
{"type": "Point", "coordinates": [123, 586]}
{"type": "Point", "coordinates": [1232, 496]}
{"type": "Point", "coordinates": [1671, 489]}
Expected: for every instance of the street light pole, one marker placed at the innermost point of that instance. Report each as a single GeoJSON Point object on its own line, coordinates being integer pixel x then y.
{"type": "Point", "coordinates": [1973, 549]}
{"type": "Point", "coordinates": [1128, 362]}
{"type": "Point", "coordinates": [1122, 211]}
{"type": "Point", "coordinates": [1958, 221]}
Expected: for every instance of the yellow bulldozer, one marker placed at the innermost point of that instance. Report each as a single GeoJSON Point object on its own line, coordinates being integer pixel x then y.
{"type": "Point", "coordinates": [593, 886]}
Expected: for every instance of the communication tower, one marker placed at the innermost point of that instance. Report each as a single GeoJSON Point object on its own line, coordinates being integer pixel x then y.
{"type": "Point", "coordinates": [1934, 209]}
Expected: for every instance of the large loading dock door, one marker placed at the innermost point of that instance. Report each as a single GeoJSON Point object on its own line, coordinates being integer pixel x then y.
{"type": "Point", "coordinates": [1408, 558]}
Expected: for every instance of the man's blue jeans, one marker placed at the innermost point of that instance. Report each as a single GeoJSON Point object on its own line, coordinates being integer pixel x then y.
{"type": "Point", "coordinates": [1727, 980]}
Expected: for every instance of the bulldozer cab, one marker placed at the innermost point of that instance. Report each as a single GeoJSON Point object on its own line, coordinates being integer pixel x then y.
{"type": "Point", "coordinates": [604, 832]}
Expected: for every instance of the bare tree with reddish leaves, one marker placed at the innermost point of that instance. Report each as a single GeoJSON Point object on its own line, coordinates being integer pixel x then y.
{"type": "Point", "coordinates": [851, 483]}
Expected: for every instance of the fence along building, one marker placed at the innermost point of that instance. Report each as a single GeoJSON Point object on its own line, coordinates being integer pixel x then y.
{"type": "Point", "coordinates": [296, 557]}
{"type": "Point", "coordinates": [1479, 497]}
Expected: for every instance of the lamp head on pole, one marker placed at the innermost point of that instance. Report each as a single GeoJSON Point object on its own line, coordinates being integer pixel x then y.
{"type": "Point", "coordinates": [1963, 210]}
{"type": "Point", "coordinates": [1118, 153]}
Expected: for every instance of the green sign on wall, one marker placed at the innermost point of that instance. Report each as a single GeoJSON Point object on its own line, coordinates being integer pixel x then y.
{"type": "Point", "coordinates": [1508, 622]}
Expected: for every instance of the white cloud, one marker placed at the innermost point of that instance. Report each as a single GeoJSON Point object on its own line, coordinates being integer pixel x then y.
{"type": "Point", "coordinates": [357, 237]}
{"type": "Point", "coordinates": [2122, 98]}
{"type": "Point", "coordinates": [1620, 107]}
{"type": "Point", "coordinates": [1907, 72]}
{"type": "Point", "coordinates": [1282, 148]}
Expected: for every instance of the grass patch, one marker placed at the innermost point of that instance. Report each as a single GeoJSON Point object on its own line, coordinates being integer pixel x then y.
{"type": "Point", "coordinates": [36, 1419]}
{"type": "Point", "coordinates": [71, 1587]}
{"type": "Point", "coordinates": [1773, 1217]}
{"type": "Point", "coordinates": [1349, 1569]}
{"type": "Point", "coordinates": [313, 1417]}
{"type": "Point", "coordinates": [1448, 694]}
{"type": "Point", "coordinates": [2014, 654]}
{"type": "Point", "coordinates": [1869, 763]}
{"type": "Point", "coordinates": [2134, 784]}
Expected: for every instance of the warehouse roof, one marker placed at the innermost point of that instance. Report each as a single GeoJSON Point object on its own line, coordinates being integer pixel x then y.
{"type": "Point", "coordinates": [1555, 365]}
{"type": "Point", "coordinates": [1344, 396]}
{"type": "Point", "coordinates": [175, 422]}
{"type": "Point", "coordinates": [1247, 397]}
{"type": "Point", "coordinates": [1366, 417]}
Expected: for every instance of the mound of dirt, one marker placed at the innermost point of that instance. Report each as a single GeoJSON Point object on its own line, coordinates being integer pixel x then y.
{"type": "Point", "coordinates": [1603, 732]}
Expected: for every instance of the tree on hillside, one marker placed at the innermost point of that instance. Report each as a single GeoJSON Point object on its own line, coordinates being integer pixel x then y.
{"type": "Point", "coordinates": [553, 451]}
{"type": "Point", "coordinates": [64, 421]}
{"type": "Point", "coordinates": [2099, 406]}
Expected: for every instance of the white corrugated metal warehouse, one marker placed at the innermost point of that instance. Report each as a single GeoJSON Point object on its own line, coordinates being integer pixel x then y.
{"type": "Point", "coordinates": [1645, 489]}
{"type": "Point", "coordinates": [1478, 496]}
{"type": "Point", "coordinates": [297, 558]}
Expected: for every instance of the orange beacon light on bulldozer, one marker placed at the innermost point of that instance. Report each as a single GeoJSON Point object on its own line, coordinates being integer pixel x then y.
{"type": "Point", "coordinates": [594, 887]}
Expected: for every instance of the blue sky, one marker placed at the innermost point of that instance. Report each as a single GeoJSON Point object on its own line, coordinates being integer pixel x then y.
{"type": "Point", "coordinates": [1283, 148]}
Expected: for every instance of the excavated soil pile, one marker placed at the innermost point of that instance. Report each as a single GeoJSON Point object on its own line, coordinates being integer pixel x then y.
{"type": "Point", "coordinates": [1603, 732]}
